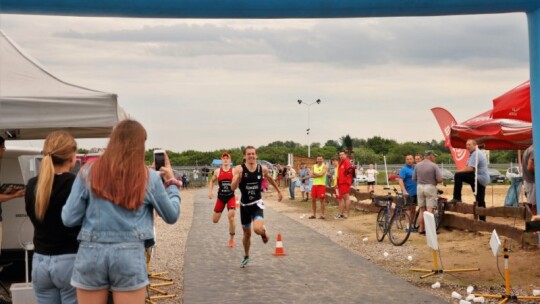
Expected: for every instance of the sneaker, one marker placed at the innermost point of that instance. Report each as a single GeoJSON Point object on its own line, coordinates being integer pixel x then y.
{"type": "Point", "coordinates": [244, 262]}
{"type": "Point", "coordinates": [338, 216]}
{"type": "Point", "coordinates": [264, 236]}
{"type": "Point", "coordinates": [344, 217]}
{"type": "Point", "coordinates": [453, 201]}
{"type": "Point", "coordinates": [231, 243]}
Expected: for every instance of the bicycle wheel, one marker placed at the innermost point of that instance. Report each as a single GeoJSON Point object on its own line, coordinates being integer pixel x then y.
{"type": "Point", "coordinates": [438, 212]}
{"type": "Point", "coordinates": [399, 227]}
{"type": "Point", "coordinates": [380, 229]}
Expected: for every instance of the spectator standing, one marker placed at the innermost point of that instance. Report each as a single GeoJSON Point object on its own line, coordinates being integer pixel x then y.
{"type": "Point", "coordinates": [285, 176]}
{"type": "Point", "coordinates": [318, 190]}
{"type": "Point", "coordinates": [305, 174]}
{"type": "Point", "coordinates": [344, 182]}
{"type": "Point", "coordinates": [408, 186]}
{"type": "Point", "coordinates": [114, 198]}
{"type": "Point", "coordinates": [275, 173]}
{"type": "Point", "coordinates": [184, 181]}
{"type": "Point", "coordinates": [528, 177]}
{"type": "Point", "coordinates": [291, 176]}
{"type": "Point", "coordinates": [467, 175]}
{"type": "Point", "coordinates": [195, 174]}
{"type": "Point", "coordinates": [279, 174]}
{"type": "Point", "coordinates": [427, 175]}
{"type": "Point", "coordinates": [55, 245]}
{"type": "Point", "coordinates": [371, 175]}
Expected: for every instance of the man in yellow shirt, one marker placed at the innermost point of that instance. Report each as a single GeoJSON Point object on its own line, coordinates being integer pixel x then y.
{"type": "Point", "coordinates": [318, 190]}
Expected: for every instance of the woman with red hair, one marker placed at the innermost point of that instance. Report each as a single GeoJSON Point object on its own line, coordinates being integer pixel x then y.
{"type": "Point", "coordinates": [113, 198]}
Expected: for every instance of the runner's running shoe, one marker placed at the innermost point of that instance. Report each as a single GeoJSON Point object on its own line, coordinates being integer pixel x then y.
{"type": "Point", "coordinates": [245, 261]}
{"type": "Point", "coordinates": [231, 243]}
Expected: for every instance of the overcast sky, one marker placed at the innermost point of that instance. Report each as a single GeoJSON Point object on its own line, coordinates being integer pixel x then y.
{"type": "Point", "coordinates": [210, 84]}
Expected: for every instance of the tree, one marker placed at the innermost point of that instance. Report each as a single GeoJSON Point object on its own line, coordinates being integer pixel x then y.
{"type": "Point", "coordinates": [332, 143]}
{"type": "Point", "coordinates": [346, 143]}
{"type": "Point", "coordinates": [380, 145]}
{"type": "Point", "coordinates": [398, 153]}
{"type": "Point", "coordinates": [366, 156]}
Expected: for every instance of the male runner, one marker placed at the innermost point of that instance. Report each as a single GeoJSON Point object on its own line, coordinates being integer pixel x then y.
{"type": "Point", "coordinates": [224, 176]}
{"type": "Point", "coordinates": [248, 178]}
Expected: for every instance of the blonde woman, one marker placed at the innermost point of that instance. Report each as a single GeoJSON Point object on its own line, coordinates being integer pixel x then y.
{"type": "Point", "coordinates": [55, 244]}
{"type": "Point", "coordinates": [114, 199]}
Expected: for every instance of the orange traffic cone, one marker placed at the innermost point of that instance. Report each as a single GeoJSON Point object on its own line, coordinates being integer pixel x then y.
{"type": "Point", "coordinates": [279, 246]}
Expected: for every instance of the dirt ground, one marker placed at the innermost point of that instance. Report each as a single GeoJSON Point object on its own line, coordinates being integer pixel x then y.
{"type": "Point", "coordinates": [459, 249]}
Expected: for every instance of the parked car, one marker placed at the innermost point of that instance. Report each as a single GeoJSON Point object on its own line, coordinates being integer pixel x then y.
{"type": "Point", "coordinates": [360, 179]}
{"type": "Point", "coordinates": [496, 176]}
{"type": "Point", "coordinates": [265, 163]}
{"type": "Point", "coordinates": [513, 172]}
{"type": "Point", "coordinates": [447, 174]}
{"type": "Point", "coordinates": [393, 176]}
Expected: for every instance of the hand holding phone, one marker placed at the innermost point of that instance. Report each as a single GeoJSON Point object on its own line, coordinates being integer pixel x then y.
{"type": "Point", "coordinates": [159, 159]}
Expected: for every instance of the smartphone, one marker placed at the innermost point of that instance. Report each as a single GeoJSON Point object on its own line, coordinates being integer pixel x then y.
{"type": "Point", "coordinates": [159, 159]}
{"type": "Point", "coordinates": [532, 226]}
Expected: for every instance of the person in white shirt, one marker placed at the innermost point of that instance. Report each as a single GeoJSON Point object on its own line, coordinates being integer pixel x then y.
{"type": "Point", "coordinates": [371, 175]}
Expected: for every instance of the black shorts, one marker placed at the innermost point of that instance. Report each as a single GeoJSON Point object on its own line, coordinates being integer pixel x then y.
{"type": "Point", "coordinates": [371, 183]}
{"type": "Point", "coordinates": [412, 200]}
{"type": "Point", "coordinates": [250, 213]}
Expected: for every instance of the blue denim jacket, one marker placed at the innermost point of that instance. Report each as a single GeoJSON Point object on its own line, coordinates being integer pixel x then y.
{"type": "Point", "coordinates": [105, 222]}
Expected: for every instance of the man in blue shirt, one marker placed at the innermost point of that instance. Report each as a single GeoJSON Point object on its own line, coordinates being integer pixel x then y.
{"type": "Point", "coordinates": [467, 175]}
{"type": "Point", "coordinates": [408, 186]}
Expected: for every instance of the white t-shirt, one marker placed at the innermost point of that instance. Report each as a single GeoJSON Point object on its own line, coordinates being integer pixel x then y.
{"type": "Point", "coordinates": [370, 174]}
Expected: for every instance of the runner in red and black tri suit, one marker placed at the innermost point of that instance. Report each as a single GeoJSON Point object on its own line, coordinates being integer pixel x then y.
{"type": "Point", "coordinates": [248, 178]}
{"type": "Point", "coordinates": [225, 197]}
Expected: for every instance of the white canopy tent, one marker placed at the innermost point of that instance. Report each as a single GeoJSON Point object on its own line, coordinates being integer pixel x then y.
{"type": "Point", "coordinates": [33, 102]}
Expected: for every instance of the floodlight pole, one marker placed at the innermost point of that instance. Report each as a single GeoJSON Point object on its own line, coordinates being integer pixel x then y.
{"type": "Point", "coordinates": [318, 101]}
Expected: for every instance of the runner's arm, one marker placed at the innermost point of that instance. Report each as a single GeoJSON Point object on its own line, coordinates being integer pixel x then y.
{"type": "Point", "coordinates": [211, 184]}
{"type": "Point", "coordinates": [272, 182]}
{"type": "Point", "coordinates": [237, 175]}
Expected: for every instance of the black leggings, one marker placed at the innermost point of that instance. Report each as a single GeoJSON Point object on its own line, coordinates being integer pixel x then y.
{"type": "Point", "coordinates": [468, 178]}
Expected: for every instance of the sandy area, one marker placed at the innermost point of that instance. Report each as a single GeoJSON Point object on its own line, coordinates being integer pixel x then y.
{"type": "Point", "coordinates": [459, 249]}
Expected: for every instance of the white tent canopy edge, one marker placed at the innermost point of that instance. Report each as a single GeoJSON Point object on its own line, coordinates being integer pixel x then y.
{"type": "Point", "coordinates": [33, 102]}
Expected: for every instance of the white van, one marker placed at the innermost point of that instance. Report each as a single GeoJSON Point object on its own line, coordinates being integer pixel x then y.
{"type": "Point", "coordinates": [16, 167]}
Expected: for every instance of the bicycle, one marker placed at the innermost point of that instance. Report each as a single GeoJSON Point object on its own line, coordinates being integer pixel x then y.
{"type": "Point", "coordinates": [394, 222]}
{"type": "Point", "coordinates": [438, 210]}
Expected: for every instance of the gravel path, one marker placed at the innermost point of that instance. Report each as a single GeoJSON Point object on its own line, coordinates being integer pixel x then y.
{"type": "Point", "coordinates": [170, 248]}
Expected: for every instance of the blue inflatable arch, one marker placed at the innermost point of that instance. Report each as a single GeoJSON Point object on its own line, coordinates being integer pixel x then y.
{"type": "Point", "coordinates": [302, 9]}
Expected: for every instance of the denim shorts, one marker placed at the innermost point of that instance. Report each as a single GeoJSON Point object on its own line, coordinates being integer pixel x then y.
{"type": "Point", "coordinates": [115, 266]}
{"type": "Point", "coordinates": [51, 275]}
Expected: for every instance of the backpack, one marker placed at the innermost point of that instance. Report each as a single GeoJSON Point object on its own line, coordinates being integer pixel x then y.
{"type": "Point", "coordinates": [352, 171]}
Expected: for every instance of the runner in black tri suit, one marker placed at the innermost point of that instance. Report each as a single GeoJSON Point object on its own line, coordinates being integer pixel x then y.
{"type": "Point", "coordinates": [248, 178]}
{"type": "Point", "coordinates": [225, 197]}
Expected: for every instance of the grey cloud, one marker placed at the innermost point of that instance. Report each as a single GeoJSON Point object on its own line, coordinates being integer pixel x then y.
{"type": "Point", "coordinates": [473, 41]}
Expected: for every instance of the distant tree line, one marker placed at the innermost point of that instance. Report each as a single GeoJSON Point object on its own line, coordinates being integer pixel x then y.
{"type": "Point", "coordinates": [364, 151]}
